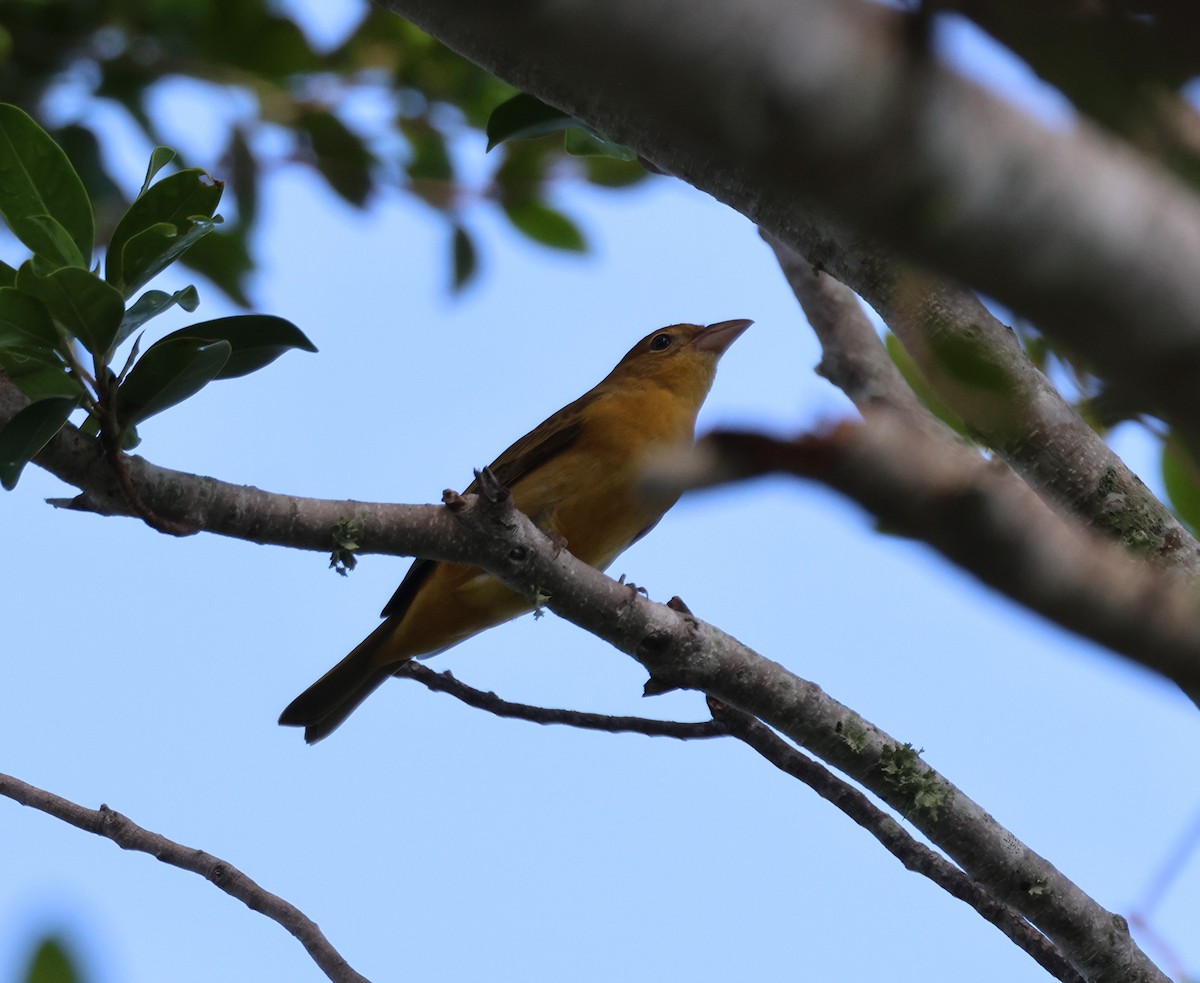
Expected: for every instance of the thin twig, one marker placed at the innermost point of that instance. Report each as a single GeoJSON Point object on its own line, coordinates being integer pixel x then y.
{"type": "Point", "coordinates": [444, 682]}
{"type": "Point", "coordinates": [730, 722]}
{"type": "Point", "coordinates": [852, 356]}
{"type": "Point", "coordinates": [117, 461]}
{"type": "Point", "coordinates": [129, 836]}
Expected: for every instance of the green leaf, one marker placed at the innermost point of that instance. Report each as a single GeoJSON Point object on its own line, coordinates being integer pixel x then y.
{"type": "Point", "coordinates": [968, 361]}
{"type": "Point", "coordinates": [522, 176]}
{"type": "Point", "coordinates": [429, 160]}
{"type": "Point", "coordinates": [160, 157]}
{"type": "Point", "coordinates": [167, 374]}
{"type": "Point", "coordinates": [255, 340]}
{"type": "Point", "coordinates": [52, 963]}
{"type": "Point", "coordinates": [524, 117]}
{"type": "Point", "coordinates": [151, 304]}
{"type": "Point", "coordinates": [253, 38]}
{"type": "Point", "coordinates": [24, 321]}
{"type": "Point", "coordinates": [243, 175]}
{"type": "Point", "coordinates": [129, 436]}
{"type": "Point", "coordinates": [545, 225]}
{"type": "Point", "coordinates": [36, 178]}
{"type": "Point", "coordinates": [55, 243]}
{"type": "Point", "coordinates": [608, 172]}
{"type": "Point", "coordinates": [157, 226]}
{"type": "Point", "coordinates": [339, 154]}
{"type": "Point", "coordinates": [466, 262]}
{"type": "Point", "coordinates": [8, 275]}
{"type": "Point", "coordinates": [38, 373]}
{"type": "Point", "coordinates": [80, 303]}
{"type": "Point", "coordinates": [917, 382]}
{"type": "Point", "coordinates": [1181, 477]}
{"type": "Point", "coordinates": [1037, 348]}
{"type": "Point", "coordinates": [580, 141]}
{"type": "Point", "coordinates": [28, 432]}
{"type": "Point", "coordinates": [84, 151]}
{"type": "Point", "coordinates": [154, 249]}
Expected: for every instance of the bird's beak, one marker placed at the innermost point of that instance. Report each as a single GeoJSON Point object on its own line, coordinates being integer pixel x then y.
{"type": "Point", "coordinates": [718, 337]}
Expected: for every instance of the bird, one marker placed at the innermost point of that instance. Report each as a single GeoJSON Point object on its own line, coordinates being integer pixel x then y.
{"type": "Point", "coordinates": [577, 477]}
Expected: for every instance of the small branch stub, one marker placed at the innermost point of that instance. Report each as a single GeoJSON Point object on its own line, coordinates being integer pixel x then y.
{"type": "Point", "coordinates": [490, 487]}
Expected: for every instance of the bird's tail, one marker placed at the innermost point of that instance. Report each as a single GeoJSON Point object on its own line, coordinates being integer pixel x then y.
{"type": "Point", "coordinates": [322, 707]}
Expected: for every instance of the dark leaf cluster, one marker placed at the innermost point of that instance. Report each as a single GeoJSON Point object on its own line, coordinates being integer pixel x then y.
{"type": "Point", "coordinates": [62, 320]}
{"type": "Point", "coordinates": [257, 55]}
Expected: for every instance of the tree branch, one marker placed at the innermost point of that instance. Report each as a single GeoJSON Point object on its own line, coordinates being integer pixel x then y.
{"type": "Point", "coordinates": [772, 107]}
{"type": "Point", "coordinates": [914, 855]}
{"type": "Point", "coordinates": [444, 682]}
{"type": "Point", "coordinates": [239, 511]}
{"type": "Point", "coordinates": [130, 836]}
{"type": "Point", "coordinates": [729, 722]}
{"type": "Point", "coordinates": [977, 366]}
{"type": "Point", "coordinates": [1091, 51]}
{"type": "Point", "coordinates": [985, 520]}
{"type": "Point", "coordinates": [852, 356]}
{"type": "Point", "coordinates": [680, 651]}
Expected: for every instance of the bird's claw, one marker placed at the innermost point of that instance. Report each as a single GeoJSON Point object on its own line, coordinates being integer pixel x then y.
{"type": "Point", "coordinates": [634, 588]}
{"type": "Point", "coordinates": [557, 539]}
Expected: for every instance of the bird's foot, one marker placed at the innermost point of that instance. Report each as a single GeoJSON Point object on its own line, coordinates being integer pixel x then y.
{"type": "Point", "coordinates": [634, 588]}
{"type": "Point", "coordinates": [557, 539]}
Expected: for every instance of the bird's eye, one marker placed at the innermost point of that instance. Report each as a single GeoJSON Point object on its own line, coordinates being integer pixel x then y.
{"type": "Point", "coordinates": [660, 342]}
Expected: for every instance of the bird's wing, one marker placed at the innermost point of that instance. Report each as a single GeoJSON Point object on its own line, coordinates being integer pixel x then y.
{"type": "Point", "coordinates": [544, 442]}
{"type": "Point", "coordinates": [417, 574]}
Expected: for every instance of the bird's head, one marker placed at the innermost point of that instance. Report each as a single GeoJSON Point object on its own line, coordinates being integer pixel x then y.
{"type": "Point", "coordinates": [681, 357]}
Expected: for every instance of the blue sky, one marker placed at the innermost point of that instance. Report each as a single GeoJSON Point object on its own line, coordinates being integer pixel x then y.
{"type": "Point", "coordinates": [432, 841]}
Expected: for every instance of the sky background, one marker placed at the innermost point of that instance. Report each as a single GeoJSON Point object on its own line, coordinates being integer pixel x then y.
{"type": "Point", "coordinates": [432, 841]}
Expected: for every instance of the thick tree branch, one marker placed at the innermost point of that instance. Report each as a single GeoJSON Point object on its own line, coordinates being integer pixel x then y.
{"type": "Point", "coordinates": [1117, 62]}
{"type": "Point", "coordinates": [773, 107]}
{"type": "Point", "coordinates": [240, 511]}
{"type": "Point", "coordinates": [682, 651]}
{"type": "Point", "coordinates": [130, 836]}
{"type": "Point", "coordinates": [978, 368]}
{"type": "Point", "coordinates": [1076, 581]}
{"type": "Point", "coordinates": [984, 519]}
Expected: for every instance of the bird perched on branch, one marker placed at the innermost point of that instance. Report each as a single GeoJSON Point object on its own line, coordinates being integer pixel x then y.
{"type": "Point", "coordinates": [576, 476]}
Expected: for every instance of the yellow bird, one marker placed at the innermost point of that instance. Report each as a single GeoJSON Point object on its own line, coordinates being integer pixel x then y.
{"type": "Point", "coordinates": [575, 475]}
